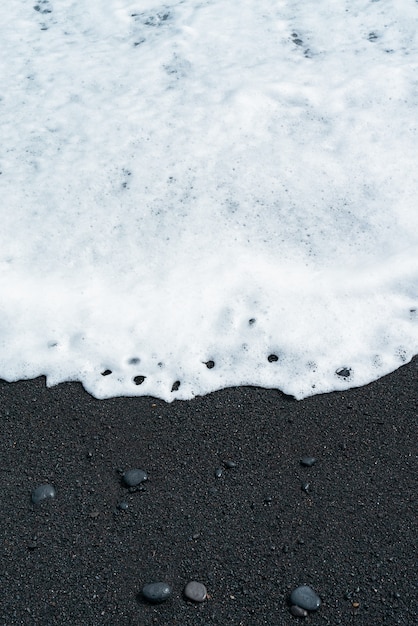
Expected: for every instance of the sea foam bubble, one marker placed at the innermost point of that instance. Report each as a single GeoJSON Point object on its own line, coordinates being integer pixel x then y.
{"type": "Point", "coordinates": [200, 195]}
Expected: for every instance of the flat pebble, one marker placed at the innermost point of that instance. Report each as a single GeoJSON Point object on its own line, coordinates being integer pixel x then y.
{"type": "Point", "coordinates": [344, 372]}
{"type": "Point", "coordinates": [308, 461]}
{"type": "Point", "coordinates": [297, 611]}
{"type": "Point", "coordinates": [156, 592]}
{"type": "Point", "coordinates": [306, 598]}
{"type": "Point", "coordinates": [134, 477]}
{"type": "Point", "coordinates": [43, 492]}
{"type": "Point", "coordinates": [195, 591]}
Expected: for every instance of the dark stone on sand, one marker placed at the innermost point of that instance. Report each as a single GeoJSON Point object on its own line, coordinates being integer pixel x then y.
{"type": "Point", "coordinates": [43, 492]}
{"type": "Point", "coordinates": [230, 464]}
{"type": "Point", "coordinates": [218, 472]}
{"type": "Point", "coordinates": [123, 506]}
{"type": "Point", "coordinates": [195, 591]}
{"type": "Point", "coordinates": [134, 477]}
{"type": "Point", "coordinates": [306, 598]}
{"type": "Point", "coordinates": [308, 461]}
{"type": "Point", "coordinates": [297, 611]}
{"type": "Point", "coordinates": [156, 592]}
{"type": "Point", "coordinates": [343, 372]}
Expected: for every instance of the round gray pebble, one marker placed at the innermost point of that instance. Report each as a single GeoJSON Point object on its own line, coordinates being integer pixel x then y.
{"type": "Point", "coordinates": [43, 492]}
{"type": "Point", "coordinates": [134, 477]}
{"type": "Point", "coordinates": [156, 592]}
{"type": "Point", "coordinates": [195, 591]}
{"type": "Point", "coordinates": [306, 598]}
{"type": "Point", "coordinates": [308, 461]}
{"type": "Point", "coordinates": [297, 611]}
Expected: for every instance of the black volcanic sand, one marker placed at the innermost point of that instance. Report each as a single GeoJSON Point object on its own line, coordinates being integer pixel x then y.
{"type": "Point", "coordinates": [250, 535]}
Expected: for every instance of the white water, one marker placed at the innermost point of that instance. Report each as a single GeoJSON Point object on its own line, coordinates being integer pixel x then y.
{"type": "Point", "coordinates": [172, 171]}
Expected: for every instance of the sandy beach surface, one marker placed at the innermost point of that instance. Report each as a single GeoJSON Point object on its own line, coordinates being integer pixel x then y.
{"type": "Point", "coordinates": [227, 503]}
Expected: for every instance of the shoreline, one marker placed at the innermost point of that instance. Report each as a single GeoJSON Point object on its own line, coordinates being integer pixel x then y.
{"type": "Point", "coordinates": [346, 526]}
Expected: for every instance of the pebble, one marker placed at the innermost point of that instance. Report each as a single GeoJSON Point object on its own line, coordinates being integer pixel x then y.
{"type": "Point", "coordinates": [344, 372]}
{"type": "Point", "coordinates": [156, 592]}
{"type": "Point", "coordinates": [123, 506]}
{"type": "Point", "coordinates": [218, 472]}
{"type": "Point", "coordinates": [308, 461]}
{"type": "Point", "coordinates": [306, 598]}
{"type": "Point", "coordinates": [195, 591]}
{"type": "Point", "coordinates": [134, 477]}
{"type": "Point", "coordinates": [297, 611]}
{"type": "Point", "coordinates": [230, 464]}
{"type": "Point", "coordinates": [43, 492]}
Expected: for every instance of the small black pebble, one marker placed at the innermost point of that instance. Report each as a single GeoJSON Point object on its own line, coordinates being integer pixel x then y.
{"type": "Point", "coordinates": [344, 372]}
{"type": "Point", "coordinates": [156, 592]}
{"type": "Point", "coordinates": [43, 492]}
{"type": "Point", "coordinates": [195, 591]}
{"type": "Point", "coordinates": [308, 461]}
{"type": "Point", "coordinates": [134, 477]}
{"type": "Point", "coordinates": [306, 598]}
{"type": "Point", "coordinates": [297, 611]}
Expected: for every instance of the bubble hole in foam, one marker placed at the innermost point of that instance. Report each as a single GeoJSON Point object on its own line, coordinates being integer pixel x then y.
{"type": "Point", "coordinates": [197, 195]}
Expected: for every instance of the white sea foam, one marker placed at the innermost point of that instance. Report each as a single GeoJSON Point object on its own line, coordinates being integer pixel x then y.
{"type": "Point", "coordinates": [189, 188]}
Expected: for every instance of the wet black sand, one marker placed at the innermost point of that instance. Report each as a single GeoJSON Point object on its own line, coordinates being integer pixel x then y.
{"type": "Point", "coordinates": [251, 535]}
